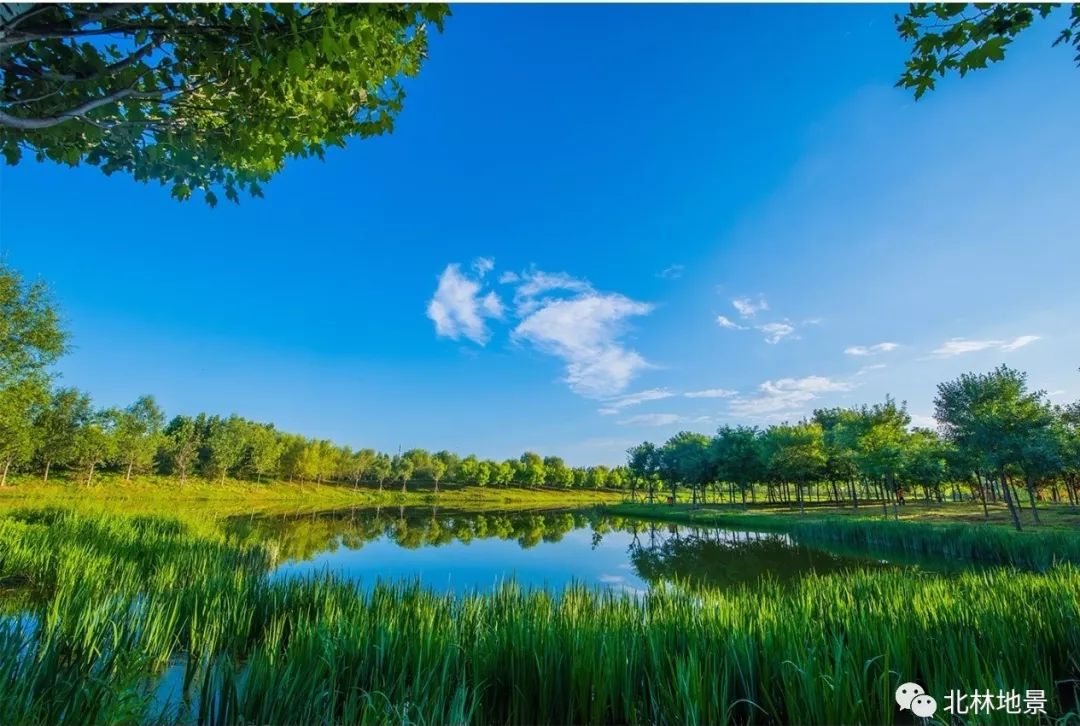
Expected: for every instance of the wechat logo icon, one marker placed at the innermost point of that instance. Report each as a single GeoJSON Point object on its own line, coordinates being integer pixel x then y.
{"type": "Point", "coordinates": [912, 696]}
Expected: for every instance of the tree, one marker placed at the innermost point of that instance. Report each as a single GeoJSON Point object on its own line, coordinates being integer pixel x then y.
{"type": "Point", "coordinates": [95, 442]}
{"type": "Point", "coordinates": [795, 453]}
{"type": "Point", "coordinates": [204, 97]}
{"type": "Point", "coordinates": [737, 457]}
{"type": "Point", "coordinates": [994, 415]}
{"type": "Point", "coordinates": [361, 463]}
{"type": "Point", "coordinates": [958, 37]}
{"type": "Point", "coordinates": [183, 437]}
{"type": "Point", "coordinates": [30, 334]}
{"type": "Point", "coordinates": [643, 464]}
{"type": "Point", "coordinates": [57, 424]}
{"type": "Point", "coordinates": [684, 459]}
{"type": "Point", "coordinates": [138, 433]}
{"type": "Point", "coordinates": [265, 449]}
{"type": "Point", "coordinates": [925, 461]}
{"type": "Point", "coordinates": [437, 469]}
{"type": "Point", "coordinates": [557, 473]}
{"type": "Point", "coordinates": [381, 469]}
{"type": "Point", "coordinates": [20, 402]}
{"type": "Point", "coordinates": [402, 468]}
{"type": "Point", "coordinates": [226, 442]}
{"type": "Point", "coordinates": [530, 471]}
{"type": "Point", "coordinates": [881, 448]}
{"type": "Point", "coordinates": [30, 341]}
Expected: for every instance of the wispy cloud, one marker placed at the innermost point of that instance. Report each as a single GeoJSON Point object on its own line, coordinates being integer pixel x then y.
{"type": "Point", "coordinates": [615, 405]}
{"type": "Point", "coordinates": [458, 308]}
{"type": "Point", "coordinates": [775, 332]}
{"type": "Point", "coordinates": [711, 393]}
{"type": "Point", "coordinates": [748, 307]}
{"type": "Point", "coordinates": [652, 419]}
{"type": "Point", "coordinates": [872, 367]}
{"type": "Point", "coordinates": [863, 350]}
{"type": "Point", "coordinates": [725, 322]}
{"type": "Point", "coordinates": [1019, 342]}
{"type": "Point", "coordinates": [565, 317]}
{"type": "Point", "coordinates": [673, 272]}
{"type": "Point", "coordinates": [959, 346]}
{"type": "Point", "coordinates": [786, 396]}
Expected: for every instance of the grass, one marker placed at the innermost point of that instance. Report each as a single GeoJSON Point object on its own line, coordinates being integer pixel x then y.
{"type": "Point", "coordinates": [917, 533]}
{"type": "Point", "coordinates": [126, 599]}
{"type": "Point", "coordinates": [198, 499]}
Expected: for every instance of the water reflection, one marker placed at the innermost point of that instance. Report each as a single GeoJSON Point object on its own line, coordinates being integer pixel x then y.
{"type": "Point", "coordinates": [462, 551]}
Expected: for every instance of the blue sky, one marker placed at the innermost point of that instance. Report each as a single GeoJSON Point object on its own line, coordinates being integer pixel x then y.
{"type": "Point", "coordinates": [661, 218]}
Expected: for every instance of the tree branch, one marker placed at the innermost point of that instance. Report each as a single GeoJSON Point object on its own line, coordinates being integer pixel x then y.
{"type": "Point", "coordinates": [31, 124]}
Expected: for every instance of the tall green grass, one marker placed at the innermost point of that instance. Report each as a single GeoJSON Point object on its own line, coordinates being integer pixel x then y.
{"type": "Point", "coordinates": [1030, 549]}
{"type": "Point", "coordinates": [125, 598]}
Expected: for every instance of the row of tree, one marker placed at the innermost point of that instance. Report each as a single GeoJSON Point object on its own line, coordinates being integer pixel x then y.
{"type": "Point", "coordinates": [993, 435]}
{"type": "Point", "coordinates": [64, 430]}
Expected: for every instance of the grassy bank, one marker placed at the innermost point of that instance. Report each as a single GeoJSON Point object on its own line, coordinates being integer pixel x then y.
{"type": "Point", "coordinates": [1038, 548]}
{"type": "Point", "coordinates": [198, 498]}
{"type": "Point", "coordinates": [122, 599]}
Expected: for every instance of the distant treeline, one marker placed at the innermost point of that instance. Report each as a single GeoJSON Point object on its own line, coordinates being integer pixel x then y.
{"type": "Point", "coordinates": [993, 435]}
{"type": "Point", "coordinates": [67, 431]}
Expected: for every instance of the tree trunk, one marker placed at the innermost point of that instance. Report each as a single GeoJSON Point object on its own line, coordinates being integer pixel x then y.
{"type": "Point", "coordinates": [1009, 501]}
{"type": "Point", "coordinates": [131, 465]}
{"type": "Point", "coordinates": [1031, 497]}
{"type": "Point", "coordinates": [799, 496]}
{"type": "Point", "coordinates": [90, 476]}
{"type": "Point", "coordinates": [3, 477]}
{"type": "Point", "coordinates": [48, 464]}
{"type": "Point", "coordinates": [982, 490]}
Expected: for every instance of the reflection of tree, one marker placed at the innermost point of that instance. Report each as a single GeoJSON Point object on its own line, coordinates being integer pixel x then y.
{"type": "Point", "coordinates": [660, 553]}
{"type": "Point", "coordinates": [719, 558]}
{"type": "Point", "coordinates": [301, 537]}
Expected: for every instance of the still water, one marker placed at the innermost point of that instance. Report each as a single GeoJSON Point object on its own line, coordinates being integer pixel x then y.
{"type": "Point", "coordinates": [454, 551]}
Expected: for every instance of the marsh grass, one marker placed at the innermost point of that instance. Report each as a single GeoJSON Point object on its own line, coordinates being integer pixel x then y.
{"type": "Point", "coordinates": [130, 598]}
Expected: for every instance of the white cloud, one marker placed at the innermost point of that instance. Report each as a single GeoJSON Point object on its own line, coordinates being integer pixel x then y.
{"type": "Point", "coordinates": [458, 309]}
{"type": "Point", "coordinates": [711, 393]}
{"type": "Point", "coordinates": [922, 421]}
{"type": "Point", "coordinates": [537, 287]}
{"type": "Point", "coordinates": [786, 396]}
{"type": "Point", "coordinates": [749, 308]}
{"type": "Point", "coordinates": [508, 278]}
{"type": "Point", "coordinates": [775, 332]}
{"type": "Point", "coordinates": [652, 419]}
{"type": "Point", "coordinates": [1019, 342]}
{"type": "Point", "coordinates": [871, 349]}
{"type": "Point", "coordinates": [959, 346]}
{"type": "Point", "coordinates": [872, 367]}
{"type": "Point", "coordinates": [483, 265]}
{"type": "Point", "coordinates": [673, 272]}
{"type": "Point", "coordinates": [584, 330]}
{"type": "Point", "coordinates": [725, 322]}
{"type": "Point", "coordinates": [633, 399]}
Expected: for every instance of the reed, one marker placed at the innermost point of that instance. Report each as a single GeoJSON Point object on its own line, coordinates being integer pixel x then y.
{"type": "Point", "coordinates": [125, 600]}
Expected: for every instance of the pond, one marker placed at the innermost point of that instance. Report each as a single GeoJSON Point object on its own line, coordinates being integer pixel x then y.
{"type": "Point", "coordinates": [456, 551]}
